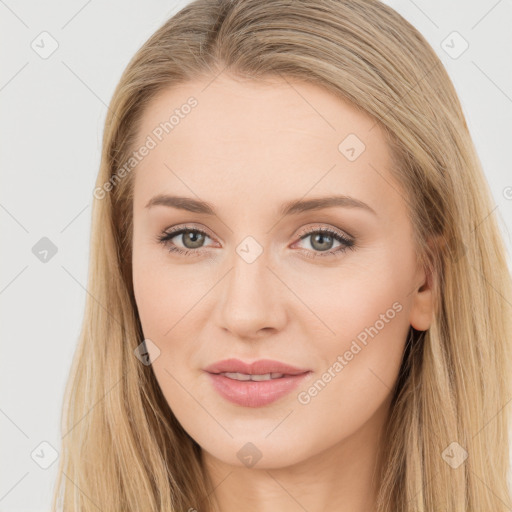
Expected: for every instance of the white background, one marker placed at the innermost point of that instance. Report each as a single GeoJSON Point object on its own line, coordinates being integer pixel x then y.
{"type": "Point", "coordinates": [52, 115]}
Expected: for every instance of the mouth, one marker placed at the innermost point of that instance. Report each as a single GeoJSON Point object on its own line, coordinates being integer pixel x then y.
{"type": "Point", "coordinates": [254, 384]}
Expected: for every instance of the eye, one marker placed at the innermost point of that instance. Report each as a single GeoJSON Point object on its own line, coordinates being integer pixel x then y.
{"type": "Point", "coordinates": [322, 240]}
{"type": "Point", "coordinates": [321, 243]}
{"type": "Point", "coordinates": [190, 238]}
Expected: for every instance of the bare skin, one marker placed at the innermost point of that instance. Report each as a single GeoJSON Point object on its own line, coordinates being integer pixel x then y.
{"type": "Point", "coordinates": [246, 149]}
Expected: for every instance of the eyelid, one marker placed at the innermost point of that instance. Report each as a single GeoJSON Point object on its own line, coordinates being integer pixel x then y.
{"type": "Point", "coordinates": [307, 230]}
{"type": "Point", "coordinates": [174, 230]}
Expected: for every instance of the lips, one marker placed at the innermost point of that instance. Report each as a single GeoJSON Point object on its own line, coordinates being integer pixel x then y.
{"type": "Point", "coordinates": [254, 384]}
{"type": "Point", "coordinates": [260, 367]}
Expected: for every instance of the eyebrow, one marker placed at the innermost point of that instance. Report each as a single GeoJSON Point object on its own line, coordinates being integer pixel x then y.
{"type": "Point", "coordinates": [289, 208]}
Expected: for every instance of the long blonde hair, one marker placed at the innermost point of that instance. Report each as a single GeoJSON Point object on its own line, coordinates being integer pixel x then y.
{"type": "Point", "coordinates": [122, 447]}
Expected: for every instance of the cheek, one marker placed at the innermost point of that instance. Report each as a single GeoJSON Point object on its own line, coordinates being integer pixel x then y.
{"type": "Point", "coordinates": [372, 289]}
{"type": "Point", "coordinates": [169, 305]}
{"type": "Point", "coordinates": [162, 293]}
{"type": "Point", "coordinates": [365, 325]}
{"type": "Point", "coordinates": [151, 297]}
{"type": "Point", "coordinates": [163, 299]}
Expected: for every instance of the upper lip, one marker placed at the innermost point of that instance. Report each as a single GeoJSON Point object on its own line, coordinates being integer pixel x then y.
{"type": "Point", "coordinates": [260, 367]}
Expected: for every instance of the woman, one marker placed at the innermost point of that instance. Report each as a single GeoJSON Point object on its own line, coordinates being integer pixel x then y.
{"type": "Point", "coordinates": [298, 297]}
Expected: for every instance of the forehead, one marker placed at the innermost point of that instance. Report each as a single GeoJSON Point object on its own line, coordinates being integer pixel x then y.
{"type": "Point", "coordinates": [280, 138]}
{"type": "Point", "coordinates": [239, 108]}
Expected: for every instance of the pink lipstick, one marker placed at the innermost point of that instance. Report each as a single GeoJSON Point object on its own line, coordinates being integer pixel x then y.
{"type": "Point", "coordinates": [254, 384]}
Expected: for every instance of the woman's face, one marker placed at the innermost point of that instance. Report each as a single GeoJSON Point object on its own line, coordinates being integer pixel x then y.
{"type": "Point", "coordinates": [268, 271]}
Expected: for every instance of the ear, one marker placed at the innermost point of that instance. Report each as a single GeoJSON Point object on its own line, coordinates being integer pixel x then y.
{"type": "Point", "coordinates": [422, 308]}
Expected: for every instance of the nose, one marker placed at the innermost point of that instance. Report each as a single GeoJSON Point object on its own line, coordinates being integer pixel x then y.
{"type": "Point", "coordinates": [251, 300]}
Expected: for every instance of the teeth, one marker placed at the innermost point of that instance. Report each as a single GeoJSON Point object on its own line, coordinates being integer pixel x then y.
{"type": "Point", "coordinates": [237, 376]}
{"type": "Point", "coordinates": [244, 376]}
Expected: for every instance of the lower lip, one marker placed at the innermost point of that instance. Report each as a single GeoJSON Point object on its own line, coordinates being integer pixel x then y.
{"type": "Point", "coordinates": [250, 393]}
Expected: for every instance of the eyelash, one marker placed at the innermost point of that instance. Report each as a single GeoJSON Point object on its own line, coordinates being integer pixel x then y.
{"type": "Point", "coordinates": [166, 237]}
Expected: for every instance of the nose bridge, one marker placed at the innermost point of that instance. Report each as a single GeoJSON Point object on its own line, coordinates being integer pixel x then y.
{"type": "Point", "coordinates": [248, 280]}
{"type": "Point", "coordinates": [250, 297]}
{"type": "Point", "coordinates": [249, 273]}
